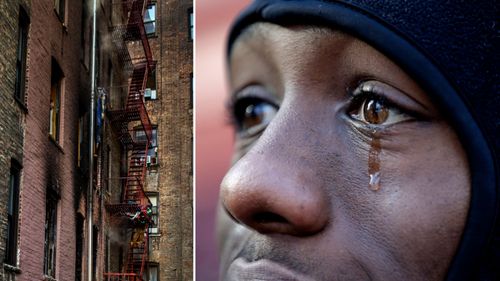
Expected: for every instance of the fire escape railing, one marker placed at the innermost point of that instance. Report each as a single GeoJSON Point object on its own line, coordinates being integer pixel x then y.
{"type": "Point", "coordinates": [135, 207]}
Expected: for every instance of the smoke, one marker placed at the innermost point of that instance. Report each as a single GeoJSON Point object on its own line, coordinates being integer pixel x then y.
{"type": "Point", "coordinates": [118, 236]}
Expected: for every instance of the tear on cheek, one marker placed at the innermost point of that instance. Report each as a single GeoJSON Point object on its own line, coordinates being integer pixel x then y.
{"type": "Point", "coordinates": [374, 164]}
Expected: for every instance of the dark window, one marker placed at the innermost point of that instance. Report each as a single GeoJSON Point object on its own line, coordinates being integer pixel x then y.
{"type": "Point", "coordinates": [150, 91]}
{"type": "Point", "coordinates": [55, 101]}
{"type": "Point", "coordinates": [95, 234]}
{"type": "Point", "coordinates": [152, 272]}
{"type": "Point", "coordinates": [85, 34]}
{"type": "Point", "coordinates": [22, 43]}
{"type": "Point", "coordinates": [51, 231]}
{"type": "Point", "coordinates": [191, 89]}
{"type": "Point", "coordinates": [191, 24]}
{"type": "Point", "coordinates": [59, 6]}
{"type": "Point", "coordinates": [12, 214]}
{"type": "Point", "coordinates": [140, 136]}
{"type": "Point", "coordinates": [153, 198]}
{"type": "Point", "coordinates": [150, 19]}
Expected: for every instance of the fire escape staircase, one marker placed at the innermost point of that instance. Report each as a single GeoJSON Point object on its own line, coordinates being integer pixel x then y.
{"type": "Point", "coordinates": [135, 205]}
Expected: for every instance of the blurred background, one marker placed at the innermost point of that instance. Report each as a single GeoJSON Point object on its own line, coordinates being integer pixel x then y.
{"type": "Point", "coordinates": [213, 133]}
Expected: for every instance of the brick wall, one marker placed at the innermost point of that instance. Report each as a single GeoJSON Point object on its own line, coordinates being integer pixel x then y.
{"type": "Point", "coordinates": [172, 112]}
{"type": "Point", "coordinates": [45, 161]}
{"type": "Point", "coordinates": [11, 111]}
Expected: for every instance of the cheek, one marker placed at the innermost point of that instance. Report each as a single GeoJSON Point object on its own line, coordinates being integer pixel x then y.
{"type": "Point", "coordinates": [415, 219]}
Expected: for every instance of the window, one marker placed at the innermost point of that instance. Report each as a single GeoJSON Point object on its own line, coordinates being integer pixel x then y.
{"type": "Point", "coordinates": [152, 272]}
{"type": "Point", "coordinates": [150, 91]}
{"type": "Point", "coordinates": [22, 43]}
{"type": "Point", "coordinates": [140, 136]}
{"type": "Point", "coordinates": [12, 214]}
{"type": "Point", "coordinates": [95, 235]}
{"type": "Point", "coordinates": [55, 101]}
{"type": "Point", "coordinates": [191, 89]}
{"type": "Point", "coordinates": [191, 24]}
{"type": "Point", "coordinates": [153, 198]}
{"type": "Point", "coordinates": [59, 6]}
{"type": "Point", "coordinates": [51, 231]}
{"type": "Point", "coordinates": [80, 140]}
{"type": "Point", "coordinates": [86, 25]}
{"type": "Point", "coordinates": [150, 19]}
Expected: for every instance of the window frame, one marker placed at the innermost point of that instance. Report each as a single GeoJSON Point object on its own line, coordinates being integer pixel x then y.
{"type": "Point", "coordinates": [13, 214]}
{"type": "Point", "coordinates": [154, 213]}
{"type": "Point", "coordinates": [51, 224]}
{"type": "Point", "coordinates": [22, 55]}
{"type": "Point", "coordinates": [56, 89]}
{"type": "Point", "coordinates": [150, 21]}
{"type": "Point", "coordinates": [150, 266]}
{"type": "Point", "coordinates": [151, 85]}
{"type": "Point", "coordinates": [60, 9]}
{"type": "Point", "coordinates": [140, 135]}
{"type": "Point", "coordinates": [191, 24]}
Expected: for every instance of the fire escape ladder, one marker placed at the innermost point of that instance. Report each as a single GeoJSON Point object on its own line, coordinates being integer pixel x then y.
{"type": "Point", "coordinates": [137, 31]}
{"type": "Point", "coordinates": [137, 252]}
{"type": "Point", "coordinates": [134, 210]}
{"type": "Point", "coordinates": [134, 191]}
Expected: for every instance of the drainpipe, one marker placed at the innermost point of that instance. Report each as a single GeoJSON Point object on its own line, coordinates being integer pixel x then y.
{"type": "Point", "coordinates": [90, 188]}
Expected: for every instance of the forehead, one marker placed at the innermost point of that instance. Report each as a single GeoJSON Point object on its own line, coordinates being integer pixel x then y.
{"type": "Point", "coordinates": [308, 55]}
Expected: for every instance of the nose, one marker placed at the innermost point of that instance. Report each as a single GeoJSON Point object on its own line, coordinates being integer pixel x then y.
{"type": "Point", "coordinates": [273, 190]}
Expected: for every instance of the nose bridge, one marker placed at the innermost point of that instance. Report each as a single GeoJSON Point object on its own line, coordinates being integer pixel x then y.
{"type": "Point", "coordinates": [273, 187]}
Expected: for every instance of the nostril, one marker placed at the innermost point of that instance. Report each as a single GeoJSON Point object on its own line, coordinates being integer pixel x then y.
{"type": "Point", "coordinates": [268, 217]}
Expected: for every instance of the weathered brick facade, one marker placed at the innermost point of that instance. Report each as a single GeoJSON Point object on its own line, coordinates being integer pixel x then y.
{"type": "Point", "coordinates": [48, 163]}
{"type": "Point", "coordinates": [58, 51]}
{"type": "Point", "coordinates": [172, 113]}
{"type": "Point", "coordinates": [12, 111]}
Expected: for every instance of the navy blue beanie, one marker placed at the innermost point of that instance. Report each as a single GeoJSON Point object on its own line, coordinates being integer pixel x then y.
{"type": "Point", "coordinates": [451, 49]}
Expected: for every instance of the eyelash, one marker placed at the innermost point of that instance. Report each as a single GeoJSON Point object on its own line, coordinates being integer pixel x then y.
{"type": "Point", "coordinates": [236, 107]}
{"type": "Point", "coordinates": [365, 92]}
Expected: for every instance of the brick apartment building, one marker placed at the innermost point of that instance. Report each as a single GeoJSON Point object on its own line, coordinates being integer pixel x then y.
{"type": "Point", "coordinates": [169, 180]}
{"type": "Point", "coordinates": [12, 111]}
{"type": "Point", "coordinates": [70, 196]}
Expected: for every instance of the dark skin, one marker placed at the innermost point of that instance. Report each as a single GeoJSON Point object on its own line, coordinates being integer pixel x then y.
{"type": "Point", "coordinates": [343, 169]}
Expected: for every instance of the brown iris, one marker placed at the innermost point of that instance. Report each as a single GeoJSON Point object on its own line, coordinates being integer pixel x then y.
{"type": "Point", "coordinates": [253, 116]}
{"type": "Point", "coordinates": [374, 111]}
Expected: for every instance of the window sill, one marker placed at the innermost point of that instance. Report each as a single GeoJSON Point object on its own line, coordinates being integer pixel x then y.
{"type": "Point", "coordinates": [56, 144]}
{"type": "Point", "coordinates": [48, 278]}
{"type": "Point", "coordinates": [154, 234]}
{"type": "Point", "coordinates": [11, 268]}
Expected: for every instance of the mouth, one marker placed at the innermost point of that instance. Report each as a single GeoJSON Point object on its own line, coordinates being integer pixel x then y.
{"type": "Point", "coordinates": [262, 270]}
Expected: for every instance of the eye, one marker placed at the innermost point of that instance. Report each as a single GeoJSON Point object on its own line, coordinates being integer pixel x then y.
{"type": "Point", "coordinates": [370, 107]}
{"type": "Point", "coordinates": [253, 114]}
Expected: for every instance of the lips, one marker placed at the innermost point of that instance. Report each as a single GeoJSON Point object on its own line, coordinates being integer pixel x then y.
{"type": "Point", "coordinates": [263, 270]}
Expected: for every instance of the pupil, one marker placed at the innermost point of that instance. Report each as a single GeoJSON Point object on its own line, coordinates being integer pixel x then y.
{"type": "Point", "coordinates": [253, 116]}
{"type": "Point", "coordinates": [375, 112]}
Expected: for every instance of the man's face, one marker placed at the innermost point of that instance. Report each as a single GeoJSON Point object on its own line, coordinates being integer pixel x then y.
{"type": "Point", "coordinates": [344, 169]}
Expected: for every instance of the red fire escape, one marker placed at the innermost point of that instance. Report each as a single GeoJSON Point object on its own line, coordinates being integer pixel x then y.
{"type": "Point", "coordinates": [134, 210]}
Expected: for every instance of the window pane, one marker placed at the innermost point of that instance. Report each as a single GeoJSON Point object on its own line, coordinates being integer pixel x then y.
{"type": "Point", "coordinates": [153, 198]}
{"type": "Point", "coordinates": [150, 19]}
{"type": "Point", "coordinates": [12, 217]}
{"type": "Point", "coordinates": [150, 27]}
{"type": "Point", "coordinates": [150, 13]}
{"type": "Point", "coordinates": [21, 55]}
{"type": "Point", "coordinates": [153, 273]}
{"type": "Point", "coordinates": [191, 25]}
